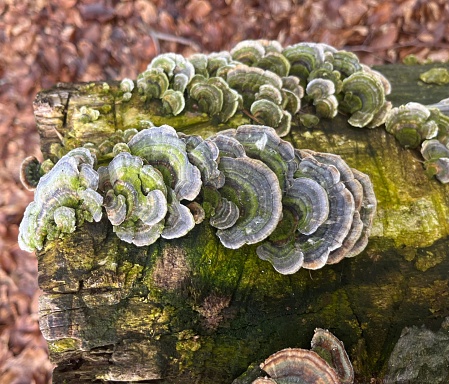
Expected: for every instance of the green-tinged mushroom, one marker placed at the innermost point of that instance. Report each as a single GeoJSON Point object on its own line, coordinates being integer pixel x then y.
{"type": "Point", "coordinates": [247, 81]}
{"type": "Point", "coordinates": [225, 214]}
{"type": "Point", "coordinates": [262, 143]}
{"type": "Point", "coordinates": [363, 97]}
{"type": "Point", "coordinates": [285, 258]}
{"type": "Point", "coordinates": [179, 220]}
{"type": "Point", "coordinates": [254, 188]}
{"type": "Point", "coordinates": [141, 187]}
{"type": "Point", "coordinates": [199, 62]}
{"type": "Point", "coordinates": [126, 86]}
{"type": "Point", "coordinates": [322, 91]}
{"type": "Point", "coordinates": [309, 200]}
{"type": "Point", "coordinates": [274, 62]}
{"type": "Point", "coordinates": [303, 59]}
{"type": "Point", "coordinates": [162, 148]}
{"type": "Point", "coordinates": [411, 124]}
{"type": "Point", "coordinates": [173, 102]}
{"type": "Point", "coordinates": [436, 156]}
{"type": "Point", "coordinates": [248, 52]}
{"type": "Point", "coordinates": [30, 172]}
{"type": "Point", "coordinates": [152, 83]}
{"type": "Point", "coordinates": [204, 155]}
{"type": "Point", "coordinates": [270, 93]}
{"type": "Point", "coordinates": [266, 112]}
{"type": "Point", "coordinates": [63, 186]}
{"type": "Point", "coordinates": [346, 63]}
{"type": "Point", "coordinates": [178, 69]}
{"type": "Point", "coordinates": [208, 96]}
{"type": "Point", "coordinates": [227, 145]}
{"type": "Point", "coordinates": [137, 195]}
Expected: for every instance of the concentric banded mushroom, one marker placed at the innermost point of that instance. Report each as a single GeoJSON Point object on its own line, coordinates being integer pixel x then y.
{"type": "Point", "coordinates": [326, 363]}
{"type": "Point", "coordinates": [64, 197]}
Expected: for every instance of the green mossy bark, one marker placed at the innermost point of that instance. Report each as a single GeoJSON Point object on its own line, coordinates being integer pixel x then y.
{"type": "Point", "coordinates": [190, 310]}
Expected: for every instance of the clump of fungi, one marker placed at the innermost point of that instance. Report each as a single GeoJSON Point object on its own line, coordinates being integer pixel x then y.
{"type": "Point", "coordinates": [303, 208]}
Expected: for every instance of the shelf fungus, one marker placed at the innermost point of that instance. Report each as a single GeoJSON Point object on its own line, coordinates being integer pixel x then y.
{"type": "Point", "coordinates": [328, 214]}
{"type": "Point", "coordinates": [436, 156]}
{"type": "Point", "coordinates": [326, 363]}
{"type": "Point", "coordinates": [411, 124]}
{"type": "Point", "coordinates": [303, 208]}
{"type": "Point", "coordinates": [64, 198]}
{"type": "Point", "coordinates": [135, 198]}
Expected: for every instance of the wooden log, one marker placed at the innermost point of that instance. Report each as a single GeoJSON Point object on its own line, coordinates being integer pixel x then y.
{"type": "Point", "coordinates": [189, 310]}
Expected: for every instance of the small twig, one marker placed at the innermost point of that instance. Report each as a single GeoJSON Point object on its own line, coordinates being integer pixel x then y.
{"type": "Point", "coordinates": [156, 36]}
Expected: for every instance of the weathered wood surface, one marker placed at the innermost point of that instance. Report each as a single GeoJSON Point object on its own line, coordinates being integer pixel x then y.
{"type": "Point", "coordinates": [189, 310]}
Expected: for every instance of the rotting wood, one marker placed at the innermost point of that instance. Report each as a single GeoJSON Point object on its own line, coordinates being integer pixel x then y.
{"type": "Point", "coordinates": [189, 310]}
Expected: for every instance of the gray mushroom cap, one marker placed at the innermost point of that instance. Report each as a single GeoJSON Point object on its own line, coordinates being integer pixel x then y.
{"type": "Point", "coordinates": [262, 143]}
{"type": "Point", "coordinates": [331, 234]}
{"type": "Point", "coordinates": [254, 188]}
{"type": "Point", "coordinates": [64, 186]}
{"type": "Point", "coordinates": [162, 148]}
{"type": "Point", "coordinates": [286, 259]}
{"type": "Point", "coordinates": [204, 155]}
{"type": "Point", "coordinates": [367, 212]}
{"type": "Point", "coordinates": [310, 201]}
{"type": "Point", "coordinates": [125, 172]}
{"type": "Point", "coordinates": [179, 220]}
{"type": "Point", "coordinates": [228, 146]}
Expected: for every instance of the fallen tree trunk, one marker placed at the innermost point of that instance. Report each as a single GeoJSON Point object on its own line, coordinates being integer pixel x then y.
{"type": "Point", "coordinates": [190, 310]}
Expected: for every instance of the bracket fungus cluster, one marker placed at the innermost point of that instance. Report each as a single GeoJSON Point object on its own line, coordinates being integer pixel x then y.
{"type": "Point", "coordinates": [267, 81]}
{"type": "Point", "coordinates": [326, 363]}
{"type": "Point", "coordinates": [303, 208]}
{"type": "Point", "coordinates": [65, 197]}
{"type": "Point", "coordinates": [427, 128]}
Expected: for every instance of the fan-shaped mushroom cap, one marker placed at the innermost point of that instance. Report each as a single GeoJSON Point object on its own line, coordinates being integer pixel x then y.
{"type": "Point", "coordinates": [173, 102]}
{"type": "Point", "coordinates": [177, 68]}
{"type": "Point", "coordinates": [346, 63]}
{"type": "Point", "coordinates": [299, 365]}
{"type": "Point", "coordinates": [254, 188]}
{"type": "Point", "coordinates": [63, 186]}
{"type": "Point", "coordinates": [411, 124]}
{"type": "Point", "coordinates": [324, 342]}
{"type": "Point", "coordinates": [433, 149]}
{"type": "Point", "coordinates": [286, 258]}
{"type": "Point", "coordinates": [310, 201]}
{"type": "Point", "coordinates": [204, 155]}
{"type": "Point", "coordinates": [228, 146]}
{"type": "Point", "coordinates": [262, 143]}
{"type": "Point", "coordinates": [152, 83]}
{"type": "Point", "coordinates": [225, 215]}
{"type": "Point", "coordinates": [367, 212]}
{"type": "Point", "coordinates": [331, 234]}
{"type": "Point", "coordinates": [162, 148]}
{"type": "Point", "coordinates": [143, 200]}
{"type": "Point", "coordinates": [179, 220]}
{"type": "Point", "coordinates": [247, 81]}
{"type": "Point", "coordinates": [364, 96]}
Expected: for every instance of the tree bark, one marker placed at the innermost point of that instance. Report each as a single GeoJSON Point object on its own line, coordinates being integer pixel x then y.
{"type": "Point", "coordinates": [189, 310]}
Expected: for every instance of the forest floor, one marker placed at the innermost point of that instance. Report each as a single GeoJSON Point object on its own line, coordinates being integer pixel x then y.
{"type": "Point", "coordinates": [45, 42]}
